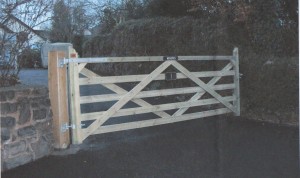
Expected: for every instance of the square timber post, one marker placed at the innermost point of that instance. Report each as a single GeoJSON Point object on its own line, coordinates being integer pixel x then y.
{"type": "Point", "coordinates": [57, 83]}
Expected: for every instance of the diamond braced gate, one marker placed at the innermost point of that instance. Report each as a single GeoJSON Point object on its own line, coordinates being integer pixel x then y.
{"type": "Point", "coordinates": [81, 76]}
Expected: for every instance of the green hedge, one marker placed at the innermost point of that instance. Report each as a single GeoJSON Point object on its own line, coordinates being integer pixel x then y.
{"type": "Point", "coordinates": [270, 72]}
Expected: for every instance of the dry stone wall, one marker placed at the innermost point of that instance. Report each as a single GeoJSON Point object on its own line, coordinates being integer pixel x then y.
{"type": "Point", "coordinates": [26, 125]}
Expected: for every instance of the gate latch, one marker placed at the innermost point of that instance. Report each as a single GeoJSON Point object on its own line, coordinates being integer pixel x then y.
{"type": "Point", "coordinates": [166, 58]}
{"type": "Point", "coordinates": [66, 127]}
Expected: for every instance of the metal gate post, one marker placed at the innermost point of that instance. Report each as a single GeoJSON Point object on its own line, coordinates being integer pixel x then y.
{"type": "Point", "coordinates": [236, 91]}
{"type": "Point", "coordinates": [57, 81]}
{"type": "Point", "coordinates": [75, 103]}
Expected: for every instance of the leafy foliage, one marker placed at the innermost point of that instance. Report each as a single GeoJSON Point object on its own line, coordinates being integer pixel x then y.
{"type": "Point", "coordinates": [169, 8]}
{"type": "Point", "coordinates": [268, 64]}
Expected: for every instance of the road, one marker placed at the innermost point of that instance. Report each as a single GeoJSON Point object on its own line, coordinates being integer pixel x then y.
{"type": "Point", "coordinates": [209, 148]}
{"type": "Point", "coordinates": [34, 77]}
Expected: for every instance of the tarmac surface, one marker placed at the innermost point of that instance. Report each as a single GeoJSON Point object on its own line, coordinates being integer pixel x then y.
{"type": "Point", "coordinates": [208, 148]}
{"type": "Point", "coordinates": [34, 77]}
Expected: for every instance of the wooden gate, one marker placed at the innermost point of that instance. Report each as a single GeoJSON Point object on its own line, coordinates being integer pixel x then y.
{"type": "Point", "coordinates": [80, 76]}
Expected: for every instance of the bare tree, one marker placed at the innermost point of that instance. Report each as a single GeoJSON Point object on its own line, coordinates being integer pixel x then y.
{"type": "Point", "coordinates": [18, 20]}
{"type": "Point", "coordinates": [61, 30]}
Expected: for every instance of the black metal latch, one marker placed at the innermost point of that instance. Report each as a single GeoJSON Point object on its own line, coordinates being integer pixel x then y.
{"type": "Point", "coordinates": [170, 76]}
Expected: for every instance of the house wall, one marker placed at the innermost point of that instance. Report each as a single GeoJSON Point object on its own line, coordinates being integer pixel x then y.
{"type": "Point", "coordinates": [26, 125]}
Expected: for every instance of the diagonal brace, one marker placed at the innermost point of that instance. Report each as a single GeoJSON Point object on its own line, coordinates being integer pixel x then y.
{"type": "Point", "coordinates": [203, 85]}
{"type": "Point", "coordinates": [198, 95]}
{"type": "Point", "coordinates": [118, 105]}
{"type": "Point", "coordinates": [115, 88]}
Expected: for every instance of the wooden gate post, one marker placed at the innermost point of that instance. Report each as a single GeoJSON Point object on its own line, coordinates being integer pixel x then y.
{"type": "Point", "coordinates": [75, 103]}
{"type": "Point", "coordinates": [236, 91]}
{"type": "Point", "coordinates": [57, 81]}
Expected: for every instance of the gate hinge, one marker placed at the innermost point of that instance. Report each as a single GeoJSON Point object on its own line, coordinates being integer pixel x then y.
{"type": "Point", "coordinates": [66, 127]}
{"type": "Point", "coordinates": [62, 62]}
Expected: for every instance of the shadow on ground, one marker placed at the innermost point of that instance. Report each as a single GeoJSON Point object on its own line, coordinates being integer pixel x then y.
{"type": "Point", "coordinates": [209, 148]}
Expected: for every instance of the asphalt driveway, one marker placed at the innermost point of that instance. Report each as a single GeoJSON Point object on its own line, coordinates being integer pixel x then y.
{"type": "Point", "coordinates": [209, 148]}
{"type": "Point", "coordinates": [34, 77]}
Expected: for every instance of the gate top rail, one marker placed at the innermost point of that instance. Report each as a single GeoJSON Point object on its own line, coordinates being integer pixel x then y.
{"type": "Point", "coordinates": [141, 59]}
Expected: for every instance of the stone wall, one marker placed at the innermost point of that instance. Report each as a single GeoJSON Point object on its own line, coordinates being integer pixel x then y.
{"type": "Point", "coordinates": [26, 125]}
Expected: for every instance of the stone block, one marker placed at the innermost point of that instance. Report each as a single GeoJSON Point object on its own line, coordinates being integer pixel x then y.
{"type": "Point", "coordinates": [10, 95]}
{"type": "Point", "coordinates": [41, 148]}
{"type": "Point", "coordinates": [4, 154]}
{"type": "Point", "coordinates": [2, 97]}
{"type": "Point", "coordinates": [7, 95]}
{"type": "Point", "coordinates": [5, 134]}
{"type": "Point", "coordinates": [13, 107]}
{"type": "Point", "coordinates": [23, 92]}
{"type": "Point", "coordinates": [32, 139]}
{"type": "Point", "coordinates": [4, 108]}
{"type": "Point", "coordinates": [25, 113]}
{"type": "Point", "coordinates": [39, 114]}
{"type": "Point", "coordinates": [49, 138]}
{"type": "Point", "coordinates": [35, 102]}
{"type": "Point", "coordinates": [17, 161]}
{"type": "Point", "coordinates": [44, 126]}
{"type": "Point", "coordinates": [40, 102]}
{"type": "Point", "coordinates": [50, 113]}
{"type": "Point", "coordinates": [27, 131]}
{"type": "Point", "coordinates": [8, 122]}
{"type": "Point", "coordinates": [7, 108]}
{"type": "Point", "coordinates": [40, 91]}
{"type": "Point", "coordinates": [17, 148]}
{"type": "Point", "coordinates": [45, 102]}
{"type": "Point", "coordinates": [35, 105]}
{"type": "Point", "coordinates": [14, 137]}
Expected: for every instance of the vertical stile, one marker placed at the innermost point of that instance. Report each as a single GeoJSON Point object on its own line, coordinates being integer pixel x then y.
{"type": "Point", "coordinates": [75, 103]}
{"type": "Point", "coordinates": [236, 103]}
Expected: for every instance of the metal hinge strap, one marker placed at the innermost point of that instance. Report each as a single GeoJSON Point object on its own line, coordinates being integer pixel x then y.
{"type": "Point", "coordinates": [66, 127]}
{"type": "Point", "coordinates": [62, 62]}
